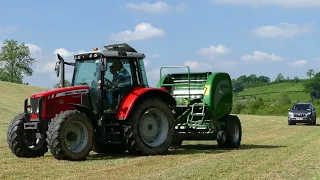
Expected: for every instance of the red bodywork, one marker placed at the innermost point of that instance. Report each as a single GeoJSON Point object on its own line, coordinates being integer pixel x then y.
{"type": "Point", "coordinates": [128, 101]}
{"type": "Point", "coordinates": [57, 100]}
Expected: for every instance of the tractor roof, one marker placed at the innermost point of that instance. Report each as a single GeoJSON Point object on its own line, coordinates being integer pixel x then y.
{"type": "Point", "coordinates": [113, 50]}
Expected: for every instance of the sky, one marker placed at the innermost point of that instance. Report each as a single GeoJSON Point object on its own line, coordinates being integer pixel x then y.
{"type": "Point", "coordinates": [240, 37]}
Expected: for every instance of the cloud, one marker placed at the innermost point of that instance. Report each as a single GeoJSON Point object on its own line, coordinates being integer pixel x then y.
{"type": "Point", "coordinates": [259, 56]}
{"type": "Point", "coordinates": [197, 65]}
{"type": "Point", "coordinates": [209, 66]}
{"type": "Point", "coordinates": [142, 31]}
{"type": "Point", "coordinates": [34, 49]}
{"type": "Point", "coordinates": [283, 30]}
{"type": "Point", "coordinates": [299, 63]}
{"type": "Point", "coordinates": [282, 3]}
{"type": "Point", "coordinates": [158, 7]}
{"type": "Point", "coordinates": [212, 51]}
{"type": "Point", "coordinates": [63, 52]}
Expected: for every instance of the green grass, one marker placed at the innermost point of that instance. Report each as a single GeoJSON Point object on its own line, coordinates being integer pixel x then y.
{"type": "Point", "coordinates": [270, 150]}
{"type": "Point", "coordinates": [270, 92]}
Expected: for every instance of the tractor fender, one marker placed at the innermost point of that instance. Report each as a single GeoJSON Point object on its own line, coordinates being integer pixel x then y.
{"type": "Point", "coordinates": [84, 109]}
{"type": "Point", "coordinates": [138, 94]}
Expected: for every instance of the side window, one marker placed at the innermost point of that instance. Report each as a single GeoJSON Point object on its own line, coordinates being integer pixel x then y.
{"type": "Point", "coordinates": [143, 72]}
{"type": "Point", "coordinates": [125, 63]}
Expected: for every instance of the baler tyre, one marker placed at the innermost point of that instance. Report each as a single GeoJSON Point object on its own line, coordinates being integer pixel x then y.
{"type": "Point", "coordinates": [109, 148]}
{"type": "Point", "coordinates": [19, 143]}
{"type": "Point", "coordinates": [142, 128]}
{"type": "Point", "coordinates": [70, 136]}
{"type": "Point", "coordinates": [233, 132]}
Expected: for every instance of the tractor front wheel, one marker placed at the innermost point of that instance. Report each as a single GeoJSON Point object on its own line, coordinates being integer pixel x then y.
{"type": "Point", "coordinates": [150, 128]}
{"type": "Point", "coordinates": [233, 132]}
{"type": "Point", "coordinates": [24, 143]}
{"type": "Point", "coordinates": [70, 136]}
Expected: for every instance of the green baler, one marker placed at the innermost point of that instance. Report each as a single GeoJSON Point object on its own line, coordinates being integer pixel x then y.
{"type": "Point", "coordinates": [204, 104]}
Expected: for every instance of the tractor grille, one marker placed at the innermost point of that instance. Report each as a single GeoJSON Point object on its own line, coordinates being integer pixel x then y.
{"type": "Point", "coordinates": [34, 102]}
{"type": "Point", "coordinates": [299, 115]}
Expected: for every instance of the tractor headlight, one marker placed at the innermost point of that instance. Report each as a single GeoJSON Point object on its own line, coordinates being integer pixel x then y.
{"type": "Point", "coordinates": [37, 110]}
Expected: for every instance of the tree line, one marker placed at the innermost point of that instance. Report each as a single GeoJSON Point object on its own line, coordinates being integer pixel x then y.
{"type": "Point", "coordinates": [253, 80]}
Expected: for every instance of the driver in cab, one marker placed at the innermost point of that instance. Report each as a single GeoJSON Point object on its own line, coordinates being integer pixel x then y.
{"type": "Point", "coordinates": [121, 82]}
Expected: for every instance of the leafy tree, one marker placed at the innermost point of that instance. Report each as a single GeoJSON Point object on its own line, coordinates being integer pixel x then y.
{"type": "Point", "coordinates": [15, 61]}
{"type": "Point", "coordinates": [66, 84]}
{"type": "Point", "coordinates": [312, 86]}
{"type": "Point", "coordinates": [310, 72]}
{"type": "Point", "coordinates": [296, 79]}
{"type": "Point", "coordinates": [237, 87]}
{"type": "Point", "coordinates": [279, 78]}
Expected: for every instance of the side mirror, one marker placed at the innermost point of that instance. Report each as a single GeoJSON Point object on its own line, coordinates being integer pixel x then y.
{"type": "Point", "coordinates": [57, 68]}
{"type": "Point", "coordinates": [289, 109]}
{"type": "Point", "coordinates": [60, 58]}
{"type": "Point", "coordinates": [103, 64]}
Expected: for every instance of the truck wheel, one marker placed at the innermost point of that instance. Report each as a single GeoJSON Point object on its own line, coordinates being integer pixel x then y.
{"type": "Point", "coordinates": [233, 132]}
{"type": "Point", "coordinates": [70, 136]}
{"type": "Point", "coordinates": [109, 148]}
{"type": "Point", "coordinates": [149, 128]}
{"type": "Point", "coordinates": [23, 143]}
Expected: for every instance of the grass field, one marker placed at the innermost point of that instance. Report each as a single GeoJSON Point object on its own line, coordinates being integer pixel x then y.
{"type": "Point", "coordinates": [270, 150]}
{"type": "Point", "coordinates": [269, 92]}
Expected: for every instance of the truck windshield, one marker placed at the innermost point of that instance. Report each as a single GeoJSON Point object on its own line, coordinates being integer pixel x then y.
{"type": "Point", "coordinates": [86, 72]}
{"type": "Point", "coordinates": [301, 107]}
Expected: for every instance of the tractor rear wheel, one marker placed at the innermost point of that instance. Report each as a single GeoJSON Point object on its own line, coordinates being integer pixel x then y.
{"type": "Point", "coordinates": [150, 128]}
{"type": "Point", "coordinates": [233, 132]}
{"type": "Point", "coordinates": [109, 148]}
{"type": "Point", "coordinates": [70, 136]}
{"type": "Point", "coordinates": [24, 143]}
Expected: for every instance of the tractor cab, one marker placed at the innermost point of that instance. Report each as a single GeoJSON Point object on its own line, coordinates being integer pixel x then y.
{"type": "Point", "coordinates": [110, 74]}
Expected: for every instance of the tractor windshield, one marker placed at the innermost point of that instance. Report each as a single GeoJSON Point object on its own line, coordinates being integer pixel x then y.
{"type": "Point", "coordinates": [86, 72]}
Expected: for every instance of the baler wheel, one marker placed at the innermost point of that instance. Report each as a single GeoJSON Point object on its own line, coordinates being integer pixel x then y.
{"type": "Point", "coordinates": [70, 136]}
{"type": "Point", "coordinates": [233, 131]}
{"type": "Point", "coordinates": [23, 143]}
{"type": "Point", "coordinates": [150, 128]}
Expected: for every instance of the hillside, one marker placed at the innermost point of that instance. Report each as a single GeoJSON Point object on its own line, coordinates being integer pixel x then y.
{"type": "Point", "coordinates": [12, 97]}
{"type": "Point", "coordinates": [272, 92]}
{"type": "Point", "coordinates": [263, 153]}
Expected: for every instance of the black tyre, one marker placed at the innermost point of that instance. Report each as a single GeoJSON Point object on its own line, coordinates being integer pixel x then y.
{"type": "Point", "coordinates": [176, 140]}
{"type": "Point", "coordinates": [233, 132]}
{"type": "Point", "coordinates": [289, 123]}
{"type": "Point", "coordinates": [109, 148]}
{"type": "Point", "coordinates": [149, 129]}
{"type": "Point", "coordinates": [70, 136]}
{"type": "Point", "coordinates": [23, 143]}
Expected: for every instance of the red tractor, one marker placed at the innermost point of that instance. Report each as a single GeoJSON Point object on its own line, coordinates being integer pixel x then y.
{"type": "Point", "coordinates": [109, 108]}
{"type": "Point", "coordinates": [96, 113]}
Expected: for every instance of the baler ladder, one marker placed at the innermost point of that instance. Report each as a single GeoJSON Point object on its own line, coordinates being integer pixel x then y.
{"type": "Point", "coordinates": [195, 114]}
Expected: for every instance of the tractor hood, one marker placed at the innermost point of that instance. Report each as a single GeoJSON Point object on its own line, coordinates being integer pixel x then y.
{"type": "Point", "coordinates": [62, 91]}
